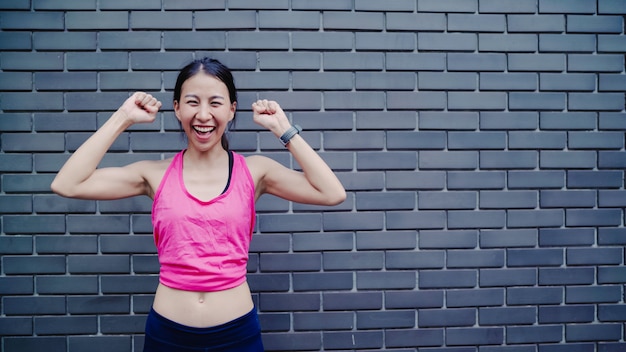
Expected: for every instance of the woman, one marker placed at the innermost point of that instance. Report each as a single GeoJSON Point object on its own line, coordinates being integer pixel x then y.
{"type": "Point", "coordinates": [203, 206]}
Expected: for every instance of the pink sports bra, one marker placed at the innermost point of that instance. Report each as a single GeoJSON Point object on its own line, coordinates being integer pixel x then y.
{"type": "Point", "coordinates": [203, 245]}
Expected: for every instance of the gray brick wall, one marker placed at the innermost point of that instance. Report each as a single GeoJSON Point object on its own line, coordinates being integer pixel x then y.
{"type": "Point", "coordinates": [481, 143]}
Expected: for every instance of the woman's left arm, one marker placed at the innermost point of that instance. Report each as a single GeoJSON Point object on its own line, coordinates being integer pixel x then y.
{"type": "Point", "coordinates": [316, 184]}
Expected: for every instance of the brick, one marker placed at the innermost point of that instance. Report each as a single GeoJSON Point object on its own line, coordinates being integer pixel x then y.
{"type": "Point", "coordinates": [100, 264]}
{"type": "Point", "coordinates": [67, 285]}
{"type": "Point", "coordinates": [364, 339]}
{"type": "Point", "coordinates": [596, 101]}
{"type": "Point", "coordinates": [508, 81]}
{"type": "Point", "coordinates": [16, 326]}
{"type": "Point", "coordinates": [323, 321]}
{"type": "Point", "coordinates": [613, 198]}
{"type": "Point", "coordinates": [537, 62]}
{"type": "Point", "coordinates": [415, 21]}
{"type": "Point", "coordinates": [576, 6]}
{"type": "Point", "coordinates": [534, 295]}
{"type": "Point", "coordinates": [15, 122]}
{"type": "Point", "coordinates": [112, 284]}
{"type": "Point", "coordinates": [16, 285]}
{"type": "Point", "coordinates": [373, 5]}
{"type": "Point", "coordinates": [459, 180]}
{"type": "Point", "coordinates": [129, 40]}
{"type": "Point", "coordinates": [415, 62]}
{"type": "Point", "coordinates": [461, 278]}
{"type": "Point", "coordinates": [511, 159]}
{"type": "Point", "coordinates": [269, 282]}
{"type": "Point", "coordinates": [447, 6]}
{"type": "Point", "coordinates": [354, 101]}
{"type": "Point", "coordinates": [404, 220]}
{"type": "Point", "coordinates": [15, 41]}
{"type": "Point", "coordinates": [476, 297]}
{"type": "Point", "coordinates": [16, 5]}
{"type": "Point", "coordinates": [431, 318]}
{"type": "Point", "coordinates": [322, 5]}
{"type": "Point", "coordinates": [414, 299]}
{"type": "Point", "coordinates": [415, 180]}
{"type": "Point", "coordinates": [414, 337]}
{"type": "Point", "coordinates": [611, 82]}
{"type": "Point", "coordinates": [567, 199]}
{"type": "Point", "coordinates": [593, 332]}
{"type": "Point", "coordinates": [384, 81]}
{"type": "Point", "coordinates": [397, 120]}
{"type": "Point", "coordinates": [295, 340]}
{"type": "Point", "coordinates": [415, 260]}
{"type": "Point", "coordinates": [385, 201]}
{"type": "Point", "coordinates": [33, 224]}
{"type": "Point", "coordinates": [297, 262]}
{"type": "Point", "coordinates": [35, 344]}
{"type": "Point", "coordinates": [386, 240]}
{"type": "Point", "coordinates": [565, 237]}
{"type": "Point", "coordinates": [611, 275]}
{"type": "Point", "coordinates": [536, 23]}
{"type": "Point", "coordinates": [508, 238]}
{"type": "Point", "coordinates": [476, 140]}
{"type": "Point", "coordinates": [507, 277]}
{"type": "Point", "coordinates": [447, 200]}
{"type": "Point", "coordinates": [610, 43]}
{"type": "Point", "coordinates": [320, 41]}
{"type": "Point", "coordinates": [131, 5]}
{"type": "Point", "coordinates": [64, 41]}
{"type": "Point", "coordinates": [322, 281]}
{"type": "Point", "coordinates": [567, 121]}
{"type": "Point", "coordinates": [454, 160]}
{"type": "Point", "coordinates": [534, 334]}
{"type": "Point", "coordinates": [341, 20]}
{"type": "Point", "coordinates": [537, 140]}
{"type": "Point", "coordinates": [333, 301]}
{"type": "Point", "coordinates": [508, 199]}
{"type": "Point", "coordinates": [101, 61]}
{"type": "Point", "coordinates": [476, 23]}
{"type": "Point", "coordinates": [507, 316]}
{"type": "Point", "coordinates": [447, 42]}
{"type": "Point", "coordinates": [387, 280]}
{"type": "Point", "coordinates": [447, 239]}
{"type": "Point", "coordinates": [352, 61]}
{"type": "Point", "coordinates": [386, 320]}
{"type": "Point", "coordinates": [507, 6]}
{"type": "Point", "coordinates": [595, 179]}
{"type": "Point", "coordinates": [193, 5]}
{"type": "Point", "coordinates": [448, 120]}
{"type": "Point", "coordinates": [121, 324]}
{"type": "Point", "coordinates": [610, 236]}
{"type": "Point", "coordinates": [594, 256]}
{"type": "Point", "coordinates": [566, 276]}
{"type": "Point", "coordinates": [129, 80]}
{"type": "Point", "coordinates": [416, 100]}
{"type": "Point", "coordinates": [567, 43]}
{"type": "Point", "coordinates": [322, 242]}
{"type": "Point", "coordinates": [569, 82]}
{"type": "Point", "coordinates": [15, 20]}
{"type": "Point", "coordinates": [93, 304]}
{"type": "Point", "coordinates": [594, 24]}
{"type": "Point", "coordinates": [534, 257]}
{"type": "Point", "coordinates": [538, 101]}
{"type": "Point", "coordinates": [475, 259]}
{"type": "Point", "coordinates": [595, 63]}
{"type": "Point", "coordinates": [322, 81]}
{"type": "Point", "coordinates": [481, 336]}
{"type": "Point", "coordinates": [110, 20]}
{"type": "Point", "coordinates": [100, 343]}
{"type": "Point", "coordinates": [610, 312]}
{"type": "Point", "coordinates": [509, 43]}
{"type": "Point", "coordinates": [445, 81]}
{"type": "Point", "coordinates": [168, 20]}
{"type": "Point", "coordinates": [588, 217]}
{"type": "Point", "coordinates": [60, 325]}
{"type": "Point", "coordinates": [275, 302]}
{"type": "Point", "coordinates": [34, 305]}
{"type": "Point", "coordinates": [531, 218]}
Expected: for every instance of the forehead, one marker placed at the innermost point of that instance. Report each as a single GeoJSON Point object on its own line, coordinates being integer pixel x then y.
{"type": "Point", "coordinates": [203, 83]}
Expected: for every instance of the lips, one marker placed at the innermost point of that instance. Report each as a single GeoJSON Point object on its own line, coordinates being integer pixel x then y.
{"type": "Point", "coordinates": [203, 129]}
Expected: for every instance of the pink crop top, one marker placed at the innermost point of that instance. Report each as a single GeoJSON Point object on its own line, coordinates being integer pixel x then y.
{"type": "Point", "coordinates": [203, 246]}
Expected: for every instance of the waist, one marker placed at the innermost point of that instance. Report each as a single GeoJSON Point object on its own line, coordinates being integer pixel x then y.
{"type": "Point", "coordinates": [203, 309]}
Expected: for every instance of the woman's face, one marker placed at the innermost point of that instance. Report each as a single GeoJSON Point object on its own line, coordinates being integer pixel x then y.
{"type": "Point", "coordinates": [204, 110]}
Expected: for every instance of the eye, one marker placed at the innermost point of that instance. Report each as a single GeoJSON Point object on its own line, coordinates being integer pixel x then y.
{"type": "Point", "coordinates": [216, 103]}
{"type": "Point", "coordinates": [192, 102]}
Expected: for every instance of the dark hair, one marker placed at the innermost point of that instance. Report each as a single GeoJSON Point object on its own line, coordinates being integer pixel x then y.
{"type": "Point", "coordinates": [211, 67]}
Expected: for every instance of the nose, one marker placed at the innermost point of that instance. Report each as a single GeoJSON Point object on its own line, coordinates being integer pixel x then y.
{"type": "Point", "coordinates": [204, 112]}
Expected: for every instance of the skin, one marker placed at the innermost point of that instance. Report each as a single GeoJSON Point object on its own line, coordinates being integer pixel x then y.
{"type": "Point", "coordinates": [204, 111]}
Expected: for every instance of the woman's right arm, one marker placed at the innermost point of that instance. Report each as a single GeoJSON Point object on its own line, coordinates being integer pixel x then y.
{"type": "Point", "coordinates": [80, 178]}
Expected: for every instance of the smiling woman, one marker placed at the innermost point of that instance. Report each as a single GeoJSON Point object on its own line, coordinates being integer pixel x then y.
{"type": "Point", "coordinates": [203, 209]}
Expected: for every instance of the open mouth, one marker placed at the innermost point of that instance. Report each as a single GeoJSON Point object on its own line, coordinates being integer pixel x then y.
{"type": "Point", "coordinates": [203, 129]}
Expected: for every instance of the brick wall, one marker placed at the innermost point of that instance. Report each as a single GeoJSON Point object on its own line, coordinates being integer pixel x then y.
{"type": "Point", "coordinates": [481, 143]}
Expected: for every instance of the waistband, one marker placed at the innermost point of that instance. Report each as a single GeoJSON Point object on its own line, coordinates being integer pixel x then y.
{"type": "Point", "coordinates": [235, 331]}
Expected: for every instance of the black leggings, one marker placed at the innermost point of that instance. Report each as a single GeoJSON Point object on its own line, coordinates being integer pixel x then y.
{"type": "Point", "coordinates": [240, 335]}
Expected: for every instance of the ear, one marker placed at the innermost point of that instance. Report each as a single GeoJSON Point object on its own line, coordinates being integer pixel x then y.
{"type": "Point", "coordinates": [176, 109]}
{"type": "Point", "coordinates": [233, 109]}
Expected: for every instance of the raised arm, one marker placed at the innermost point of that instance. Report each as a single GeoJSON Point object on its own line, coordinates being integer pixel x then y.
{"type": "Point", "coordinates": [80, 178]}
{"type": "Point", "coordinates": [316, 184]}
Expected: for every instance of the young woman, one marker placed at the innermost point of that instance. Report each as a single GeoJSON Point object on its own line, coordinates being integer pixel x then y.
{"type": "Point", "coordinates": [203, 206]}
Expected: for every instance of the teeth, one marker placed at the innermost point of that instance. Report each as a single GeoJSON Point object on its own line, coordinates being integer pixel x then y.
{"type": "Point", "coordinates": [203, 129]}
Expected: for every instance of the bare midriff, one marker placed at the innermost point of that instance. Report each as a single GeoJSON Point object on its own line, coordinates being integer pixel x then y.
{"type": "Point", "coordinates": [203, 309]}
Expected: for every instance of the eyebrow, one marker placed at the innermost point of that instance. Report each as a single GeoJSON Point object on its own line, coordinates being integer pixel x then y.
{"type": "Point", "coordinates": [210, 98]}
